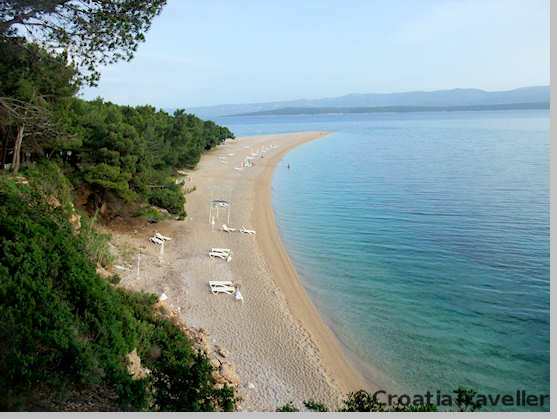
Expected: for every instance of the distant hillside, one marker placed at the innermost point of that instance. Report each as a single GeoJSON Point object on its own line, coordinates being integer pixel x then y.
{"type": "Point", "coordinates": [453, 97]}
{"type": "Point", "coordinates": [402, 109]}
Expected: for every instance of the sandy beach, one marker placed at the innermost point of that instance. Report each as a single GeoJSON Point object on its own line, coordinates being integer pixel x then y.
{"type": "Point", "coordinates": [281, 348]}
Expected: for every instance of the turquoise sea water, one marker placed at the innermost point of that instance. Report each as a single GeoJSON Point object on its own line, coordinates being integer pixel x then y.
{"type": "Point", "coordinates": [423, 239]}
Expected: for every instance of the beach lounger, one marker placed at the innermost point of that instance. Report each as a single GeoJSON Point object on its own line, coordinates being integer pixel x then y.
{"type": "Point", "coordinates": [156, 240]}
{"type": "Point", "coordinates": [161, 237]}
{"type": "Point", "coordinates": [221, 203]}
{"type": "Point", "coordinates": [224, 287]}
{"type": "Point", "coordinates": [221, 250]}
{"type": "Point", "coordinates": [246, 231]}
{"type": "Point", "coordinates": [221, 254]}
{"type": "Point", "coordinates": [220, 283]}
{"type": "Point", "coordinates": [227, 229]}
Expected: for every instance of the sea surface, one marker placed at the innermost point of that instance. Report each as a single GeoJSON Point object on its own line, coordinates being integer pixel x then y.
{"type": "Point", "coordinates": [423, 239]}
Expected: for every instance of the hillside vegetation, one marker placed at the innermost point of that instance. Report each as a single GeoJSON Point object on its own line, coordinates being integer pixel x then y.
{"type": "Point", "coordinates": [68, 334]}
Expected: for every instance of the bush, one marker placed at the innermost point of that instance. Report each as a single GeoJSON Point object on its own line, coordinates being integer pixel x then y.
{"type": "Point", "coordinates": [288, 407]}
{"type": "Point", "coordinates": [362, 401]}
{"type": "Point", "coordinates": [170, 198]}
{"type": "Point", "coordinates": [63, 327]}
{"type": "Point", "coordinates": [95, 243]}
{"type": "Point", "coordinates": [47, 179]}
{"type": "Point", "coordinates": [315, 406]}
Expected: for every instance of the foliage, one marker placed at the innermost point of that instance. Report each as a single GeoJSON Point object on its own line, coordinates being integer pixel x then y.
{"type": "Point", "coordinates": [418, 407]}
{"type": "Point", "coordinates": [362, 401]}
{"type": "Point", "coordinates": [48, 180]}
{"type": "Point", "coordinates": [116, 151]}
{"type": "Point", "coordinates": [288, 407]}
{"type": "Point", "coordinates": [35, 91]}
{"type": "Point", "coordinates": [465, 400]}
{"type": "Point", "coordinates": [92, 32]}
{"type": "Point", "coordinates": [315, 406]}
{"type": "Point", "coordinates": [95, 243]}
{"type": "Point", "coordinates": [170, 198]}
{"type": "Point", "coordinates": [152, 215]}
{"type": "Point", "coordinates": [133, 152]}
{"type": "Point", "coordinates": [62, 326]}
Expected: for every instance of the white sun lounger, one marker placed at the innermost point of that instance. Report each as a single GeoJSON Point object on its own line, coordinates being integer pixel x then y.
{"type": "Point", "coordinates": [227, 229]}
{"type": "Point", "coordinates": [220, 283]}
{"type": "Point", "coordinates": [156, 240]}
{"type": "Point", "coordinates": [221, 255]}
{"type": "Point", "coordinates": [224, 287]}
{"type": "Point", "coordinates": [161, 237]}
{"type": "Point", "coordinates": [221, 250]}
{"type": "Point", "coordinates": [247, 231]}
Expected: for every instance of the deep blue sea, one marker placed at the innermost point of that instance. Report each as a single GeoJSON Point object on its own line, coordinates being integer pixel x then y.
{"type": "Point", "coordinates": [423, 239]}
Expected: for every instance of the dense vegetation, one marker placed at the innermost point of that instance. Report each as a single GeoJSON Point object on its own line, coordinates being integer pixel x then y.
{"type": "Point", "coordinates": [131, 153]}
{"type": "Point", "coordinates": [62, 326]}
{"type": "Point", "coordinates": [111, 152]}
{"type": "Point", "coordinates": [64, 329]}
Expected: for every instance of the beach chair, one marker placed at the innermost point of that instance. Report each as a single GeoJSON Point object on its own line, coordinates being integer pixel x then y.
{"type": "Point", "coordinates": [224, 254]}
{"type": "Point", "coordinates": [246, 231]}
{"type": "Point", "coordinates": [156, 240]}
{"type": "Point", "coordinates": [221, 287]}
{"type": "Point", "coordinates": [161, 237]}
{"type": "Point", "coordinates": [227, 229]}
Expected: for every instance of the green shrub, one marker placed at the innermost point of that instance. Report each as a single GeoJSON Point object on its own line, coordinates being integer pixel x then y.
{"type": "Point", "coordinates": [46, 178]}
{"type": "Point", "coordinates": [170, 198]}
{"type": "Point", "coordinates": [114, 279]}
{"type": "Point", "coordinates": [63, 327]}
{"type": "Point", "coordinates": [152, 215]}
{"type": "Point", "coordinates": [288, 407]}
{"type": "Point", "coordinates": [315, 406]}
{"type": "Point", "coordinates": [95, 243]}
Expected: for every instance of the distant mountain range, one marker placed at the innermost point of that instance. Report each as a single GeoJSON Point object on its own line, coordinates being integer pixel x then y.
{"type": "Point", "coordinates": [399, 109]}
{"type": "Point", "coordinates": [418, 101]}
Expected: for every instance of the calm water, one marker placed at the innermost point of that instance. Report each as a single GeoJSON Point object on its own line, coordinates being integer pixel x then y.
{"type": "Point", "coordinates": [424, 241]}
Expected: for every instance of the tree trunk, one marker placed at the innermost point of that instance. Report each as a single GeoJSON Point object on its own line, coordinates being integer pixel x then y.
{"type": "Point", "coordinates": [17, 149]}
{"type": "Point", "coordinates": [4, 150]}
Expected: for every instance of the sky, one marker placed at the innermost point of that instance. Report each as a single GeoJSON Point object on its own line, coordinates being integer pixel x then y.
{"type": "Point", "coordinates": [211, 52]}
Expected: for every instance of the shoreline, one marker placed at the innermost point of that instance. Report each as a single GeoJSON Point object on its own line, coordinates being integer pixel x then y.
{"type": "Point", "coordinates": [279, 344]}
{"type": "Point", "coordinates": [287, 279]}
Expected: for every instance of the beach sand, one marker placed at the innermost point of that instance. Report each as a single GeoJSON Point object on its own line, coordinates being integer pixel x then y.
{"type": "Point", "coordinates": [281, 348]}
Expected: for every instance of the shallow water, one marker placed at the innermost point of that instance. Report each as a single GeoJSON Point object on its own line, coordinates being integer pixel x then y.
{"type": "Point", "coordinates": [423, 239]}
